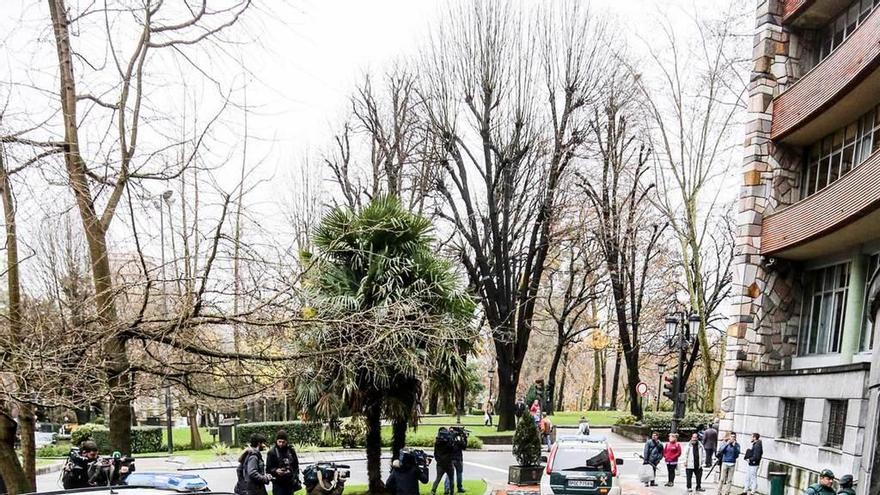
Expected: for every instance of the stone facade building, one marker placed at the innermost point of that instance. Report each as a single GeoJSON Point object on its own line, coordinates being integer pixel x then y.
{"type": "Point", "coordinates": [801, 341]}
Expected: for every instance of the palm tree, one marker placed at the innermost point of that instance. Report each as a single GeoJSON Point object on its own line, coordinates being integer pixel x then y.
{"type": "Point", "coordinates": [376, 276]}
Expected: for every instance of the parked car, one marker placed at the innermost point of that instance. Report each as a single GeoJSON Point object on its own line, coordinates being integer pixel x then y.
{"type": "Point", "coordinates": [581, 465]}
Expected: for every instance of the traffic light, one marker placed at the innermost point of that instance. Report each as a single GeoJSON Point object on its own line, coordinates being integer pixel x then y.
{"type": "Point", "coordinates": [670, 387]}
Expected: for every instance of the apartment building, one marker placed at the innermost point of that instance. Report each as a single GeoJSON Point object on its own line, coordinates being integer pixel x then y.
{"type": "Point", "coordinates": [798, 364]}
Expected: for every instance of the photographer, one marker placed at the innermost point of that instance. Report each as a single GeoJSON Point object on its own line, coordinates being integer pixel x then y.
{"type": "Point", "coordinates": [78, 468]}
{"type": "Point", "coordinates": [459, 444]}
{"type": "Point", "coordinates": [283, 464]}
{"type": "Point", "coordinates": [443, 456]}
{"type": "Point", "coordinates": [407, 472]}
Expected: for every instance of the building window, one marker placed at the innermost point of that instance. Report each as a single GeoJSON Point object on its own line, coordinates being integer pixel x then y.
{"type": "Point", "coordinates": [838, 153]}
{"type": "Point", "coordinates": [866, 338]}
{"type": "Point", "coordinates": [792, 418]}
{"type": "Point", "coordinates": [823, 310]}
{"type": "Point", "coordinates": [840, 28]}
{"type": "Point", "coordinates": [836, 423]}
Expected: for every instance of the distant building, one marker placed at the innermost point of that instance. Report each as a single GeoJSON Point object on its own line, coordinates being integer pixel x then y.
{"type": "Point", "coordinates": [801, 343]}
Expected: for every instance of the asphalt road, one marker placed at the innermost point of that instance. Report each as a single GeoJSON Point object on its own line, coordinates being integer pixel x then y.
{"type": "Point", "coordinates": [490, 465]}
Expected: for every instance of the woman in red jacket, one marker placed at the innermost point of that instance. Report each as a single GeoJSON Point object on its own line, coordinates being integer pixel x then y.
{"type": "Point", "coordinates": [671, 453]}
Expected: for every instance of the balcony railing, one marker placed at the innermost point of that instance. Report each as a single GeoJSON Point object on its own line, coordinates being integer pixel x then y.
{"type": "Point", "coordinates": [829, 81]}
{"type": "Point", "coordinates": [850, 198]}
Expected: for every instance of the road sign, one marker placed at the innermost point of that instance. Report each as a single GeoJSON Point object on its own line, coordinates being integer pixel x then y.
{"type": "Point", "coordinates": [642, 389]}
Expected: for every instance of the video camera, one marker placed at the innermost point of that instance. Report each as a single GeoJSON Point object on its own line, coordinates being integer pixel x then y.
{"type": "Point", "coordinates": [459, 437]}
{"type": "Point", "coordinates": [414, 457]}
{"type": "Point", "coordinates": [325, 478]}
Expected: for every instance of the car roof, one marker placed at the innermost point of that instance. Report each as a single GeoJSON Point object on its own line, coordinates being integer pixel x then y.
{"type": "Point", "coordinates": [583, 440]}
{"type": "Point", "coordinates": [121, 489]}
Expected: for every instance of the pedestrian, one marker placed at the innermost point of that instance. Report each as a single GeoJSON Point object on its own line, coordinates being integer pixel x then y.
{"type": "Point", "coordinates": [546, 427]}
{"type": "Point", "coordinates": [671, 453]}
{"type": "Point", "coordinates": [443, 459]}
{"type": "Point", "coordinates": [459, 444]}
{"type": "Point", "coordinates": [283, 464]}
{"type": "Point", "coordinates": [488, 410]}
{"type": "Point", "coordinates": [653, 454]}
{"type": "Point", "coordinates": [753, 456]}
{"type": "Point", "coordinates": [405, 476]}
{"type": "Point", "coordinates": [583, 426]}
{"type": "Point", "coordinates": [728, 452]}
{"type": "Point", "coordinates": [846, 485]}
{"type": "Point", "coordinates": [710, 441]}
{"type": "Point", "coordinates": [536, 408]}
{"type": "Point", "coordinates": [825, 486]}
{"type": "Point", "coordinates": [251, 472]}
{"type": "Point", "coordinates": [694, 452]}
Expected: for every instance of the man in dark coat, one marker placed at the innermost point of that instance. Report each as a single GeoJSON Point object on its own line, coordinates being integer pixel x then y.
{"type": "Point", "coordinates": [710, 442]}
{"type": "Point", "coordinates": [443, 459]}
{"type": "Point", "coordinates": [753, 456]}
{"type": "Point", "coordinates": [653, 454]}
{"type": "Point", "coordinates": [78, 466]}
{"type": "Point", "coordinates": [405, 477]}
{"type": "Point", "coordinates": [824, 486]}
{"type": "Point", "coordinates": [283, 465]}
{"type": "Point", "coordinates": [846, 485]}
{"type": "Point", "coordinates": [251, 472]}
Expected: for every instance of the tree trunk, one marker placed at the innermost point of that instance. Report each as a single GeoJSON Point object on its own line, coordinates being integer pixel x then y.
{"type": "Point", "coordinates": [506, 407]}
{"type": "Point", "coordinates": [28, 423]}
{"type": "Point", "coordinates": [195, 436]}
{"type": "Point", "coordinates": [560, 397]}
{"type": "Point", "coordinates": [604, 358]}
{"type": "Point", "coordinates": [398, 437]}
{"type": "Point", "coordinates": [615, 381]}
{"type": "Point", "coordinates": [597, 381]}
{"type": "Point", "coordinates": [10, 468]}
{"type": "Point", "coordinates": [374, 447]}
{"type": "Point", "coordinates": [551, 377]}
{"type": "Point", "coordinates": [433, 402]}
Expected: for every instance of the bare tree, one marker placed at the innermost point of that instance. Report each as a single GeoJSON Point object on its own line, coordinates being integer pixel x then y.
{"type": "Point", "coordinates": [627, 235]}
{"type": "Point", "coordinates": [694, 113]}
{"type": "Point", "coordinates": [504, 156]}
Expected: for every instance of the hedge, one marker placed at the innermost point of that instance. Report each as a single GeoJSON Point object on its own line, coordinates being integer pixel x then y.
{"type": "Point", "coordinates": [298, 432]}
{"type": "Point", "coordinates": [143, 438]}
{"type": "Point", "coordinates": [662, 420]}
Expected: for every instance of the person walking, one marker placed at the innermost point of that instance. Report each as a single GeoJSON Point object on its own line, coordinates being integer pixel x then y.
{"type": "Point", "coordinates": [487, 417]}
{"type": "Point", "coordinates": [753, 456]}
{"type": "Point", "coordinates": [536, 408]}
{"type": "Point", "coordinates": [283, 464]}
{"type": "Point", "coordinates": [546, 427]}
{"type": "Point", "coordinates": [825, 486]}
{"type": "Point", "coordinates": [583, 426]}
{"type": "Point", "coordinates": [694, 452]}
{"type": "Point", "coordinates": [671, 453]}
{"type": "Point", "coordinates": [443, 460]}
{"type": "Point", "coordinates": [728, 452]}
{"type": "Point", "coordinates": [251, 472]}
{"type": "Point", "coordinates": [710, 441]}
{"type": "Point", "coordinates": [652, 455]}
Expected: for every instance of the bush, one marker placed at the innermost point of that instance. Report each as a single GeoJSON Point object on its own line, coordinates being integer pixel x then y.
{"type": "Point", "coordinates": [353, 432]}
{"type": "Point", "coordinates": [526, 441]}
{"type": "Point", "coordinates": [663, 420]}
{"type": "Point", "coordinates": [297, 431]}
{"type": "Point", "coordinates": [143, 438]}
{"type": "Point", "coordinates": [626, 419]}
{"type": "Point", "coordinates": [54, 450]}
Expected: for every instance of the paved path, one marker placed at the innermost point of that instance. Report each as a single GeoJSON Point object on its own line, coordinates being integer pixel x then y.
{"type": "Point", "coordinates": [490, 465]}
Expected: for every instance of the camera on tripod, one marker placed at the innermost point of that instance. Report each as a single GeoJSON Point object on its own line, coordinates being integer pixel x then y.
{"type": "Point", "coordinates": [414, 457]}
{"type": "Point", "coordinates": [459, 436]}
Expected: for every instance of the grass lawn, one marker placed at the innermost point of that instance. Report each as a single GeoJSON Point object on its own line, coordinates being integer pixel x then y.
{"type": "Point", "coordinates": [471, 487]}
{"type": "Point", "coordinates": [181, 435]}
{"type": "Point", "coordinates": [194, 456]}
{"type": "Point", "coordinates": [568, 418]}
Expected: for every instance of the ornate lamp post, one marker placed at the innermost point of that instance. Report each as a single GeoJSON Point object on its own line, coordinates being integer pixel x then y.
{"type": "Point", "coordinates": [679, 336]}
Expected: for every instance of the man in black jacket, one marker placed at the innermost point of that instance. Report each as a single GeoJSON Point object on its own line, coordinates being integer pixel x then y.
{"type": "Point", "coordinates": [406, 474]}
{"type": "Point", "coordinates": [251, 472]}
{"type": "Point", "coordinates": [753, 456]}
{"type": "Point", "coordinates": [79, 463]}
{"type": "Point", "coordinates": [443, 458]}
{"type": "Point", "coordinates": [283, 464]}
{"type": "Point", "coordinates": [710, 442]}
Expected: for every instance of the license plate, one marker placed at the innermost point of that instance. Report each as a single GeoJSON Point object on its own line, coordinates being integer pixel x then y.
{"type": "Point", "coordinates": [580, 483]}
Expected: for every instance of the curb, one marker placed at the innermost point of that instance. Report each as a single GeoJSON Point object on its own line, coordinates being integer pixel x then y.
{"type": "Point", "coordinates": [52, 468]}
{"type": "Point", "coordinates": [233, 465]}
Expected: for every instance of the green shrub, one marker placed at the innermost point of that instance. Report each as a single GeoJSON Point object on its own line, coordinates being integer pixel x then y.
{"type": "Point", "coordinates": [526, 441]}
{"type": "Point", "coordinates": [82, 433]}
{"type": "Point", "coordinates": [146, 439]}
{"type": "Point", "coordinates": [53, 450]}
{"type": "Point", "coordinates": [298, 432]}
{"type": "Point", "coordinates": [663, 420]}
{"type": "Point", "coordinates": [626, 419]}
{"type": "Point", "coordinates": [143, 438]}
{"type": "Point", "coordinates": [353, 432]}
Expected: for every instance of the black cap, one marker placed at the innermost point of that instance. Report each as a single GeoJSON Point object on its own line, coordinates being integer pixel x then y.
{"type": "Point", "coordinates": [281, 435]}
{"type": "Point", "coordinates": [88, 446]}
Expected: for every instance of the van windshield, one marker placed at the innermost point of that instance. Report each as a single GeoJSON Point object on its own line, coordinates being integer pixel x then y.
{"type": "Point", "coordinates": [581, 459]}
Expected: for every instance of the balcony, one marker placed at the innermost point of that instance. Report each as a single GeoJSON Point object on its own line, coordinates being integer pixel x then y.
{"type": "Point", "coordinates": [842, 85]}
{"type": "Point", "coordinates": [848, 208]}
{"type": "Point", "coordinates": [810, 14]}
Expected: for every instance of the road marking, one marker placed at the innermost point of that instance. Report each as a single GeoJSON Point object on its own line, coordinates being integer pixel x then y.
{"type": "Point", "coordinates": [484, 466]}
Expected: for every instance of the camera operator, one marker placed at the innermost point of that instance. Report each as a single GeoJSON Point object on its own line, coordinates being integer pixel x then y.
{"type": "Point", "coordinates": [77, 469]}
{"type": "Point", "coordinates": [443, 457]}
{"type": "Point", "coordinates": [407, 472]}
{"type": "Point", "coordinates": [283, 464]}
{"type": "Point", "coordinates": [459, 444]}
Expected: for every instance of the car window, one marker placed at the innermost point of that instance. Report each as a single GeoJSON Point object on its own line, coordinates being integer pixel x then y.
{"type": "Point", "coordinates": [582, 459]}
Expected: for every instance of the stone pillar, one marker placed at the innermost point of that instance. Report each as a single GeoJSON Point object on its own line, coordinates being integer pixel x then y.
{"type": "Point", "coordinates": [855, 300]}
{"type": "Point", "coordinates": [869, 477]}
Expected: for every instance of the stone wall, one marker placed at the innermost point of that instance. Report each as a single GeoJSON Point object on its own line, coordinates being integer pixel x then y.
{"type": "Point", "coordinates": [763, 331]}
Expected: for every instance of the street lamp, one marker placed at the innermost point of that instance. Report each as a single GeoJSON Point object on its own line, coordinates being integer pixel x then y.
{"type": "Point", "coordinates": [680, 329]}
{"type": "Point", "coordinates": [662, 369]}
{"type": "Point", "coordinates": [491, 381]}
